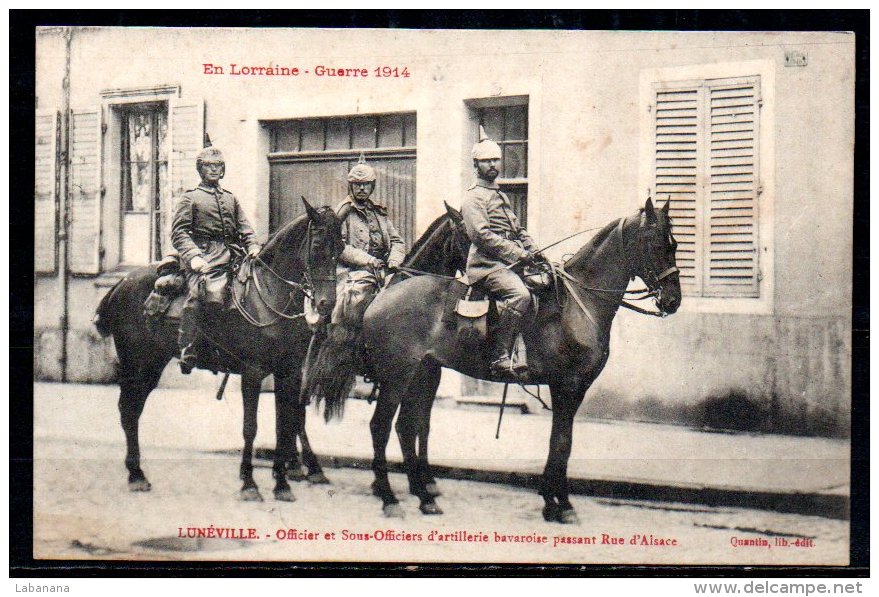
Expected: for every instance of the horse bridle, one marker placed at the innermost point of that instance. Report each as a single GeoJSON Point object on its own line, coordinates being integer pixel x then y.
{"type": "Point", "coordinates": [644, 245]}
{"type": "Point", "coordinates": [306, 287]}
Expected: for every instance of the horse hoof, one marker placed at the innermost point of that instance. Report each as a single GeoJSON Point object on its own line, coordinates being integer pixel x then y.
{"type": "Point", "coordinates": [568, 517]}
{"type": "Point", "coordinates": [251, 494]}
{"type": "Point", "coordinates": [139, 485]}
{"type": "Point", "coordinates": [430, 508]}
{"type": "Point", "coordinates": [393, 511]}
{"type": "Point", "coordinates": [551, 513]}
{"type": "Point", "coordinates": [284, 495]}
{"type": "Point", "coordinates": [296, 473]}
{"type": "Point", "coordinates": [432, 489]}
{"type": "Point", "coordinates": [318, 479]}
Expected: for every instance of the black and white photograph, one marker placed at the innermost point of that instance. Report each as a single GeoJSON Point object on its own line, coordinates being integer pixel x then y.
{"type": "Point", "coordinates": [443, 296]}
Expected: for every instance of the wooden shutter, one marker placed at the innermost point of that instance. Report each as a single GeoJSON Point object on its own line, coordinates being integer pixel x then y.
{"type": "Point", "coordinates": [186, 136]}
{"type": "Point", "coordinates": [731, 268]}
{"type": "Point", "coordinates": [706, 159]}
{"type": "Point", "coordinates": [45, 214]}
{"type": "Point", "coordinates": [678, 144]}
{"type": "Point", "coordinates": [85, 191]}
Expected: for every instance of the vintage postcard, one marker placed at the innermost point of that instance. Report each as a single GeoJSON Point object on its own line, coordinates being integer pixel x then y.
{"type": "Point", "coordinates": [207, 198]}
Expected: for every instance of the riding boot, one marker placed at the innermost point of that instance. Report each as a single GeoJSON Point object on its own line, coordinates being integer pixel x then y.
{"type": "Point", "coordinates": [502, 368]}
{"type": "Point", "coordinates": [187, 338]}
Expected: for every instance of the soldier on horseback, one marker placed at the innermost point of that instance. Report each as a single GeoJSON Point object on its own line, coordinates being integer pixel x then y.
{"type": "Point", "coordinates": [498, 242]}
{"type": "Point", "coordinates": [209, 231]}
{"type": "Point", "coordinates": [372, 246]}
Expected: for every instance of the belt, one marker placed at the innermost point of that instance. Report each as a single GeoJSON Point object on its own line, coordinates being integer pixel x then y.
{"type": "Point", "coordinates": [509, 235]}
{"type": "Point", "coordinates": [219, 239]}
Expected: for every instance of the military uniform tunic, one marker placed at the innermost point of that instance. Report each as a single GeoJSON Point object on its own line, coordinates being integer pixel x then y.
{"type": "Point", "coordinates": [207, 221]}
{"type": "Point", "coordinates": [368, 234]}
{"type": "Point", "coordinates": [497, 239]}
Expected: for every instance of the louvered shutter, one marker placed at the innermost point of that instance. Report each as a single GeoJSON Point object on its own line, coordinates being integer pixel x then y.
{"type": "Point", "coordinates": [678, 145]}
{"type": "Point", "coordinates": [731, 269]}
{"type": "Point", "coordinates": [45, 216]}
{"type": "Point", "coordinates": [705, 162]}
{"type": "Point", "coordinates": [85, 191]}
{"type": "Point", "coordinates": [187, 139]}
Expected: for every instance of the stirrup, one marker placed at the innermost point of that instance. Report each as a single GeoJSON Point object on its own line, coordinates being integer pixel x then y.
{"type": "Point", "coordinates": [187, 361]}
{"type": "Point", "coordinates": [502, 369]}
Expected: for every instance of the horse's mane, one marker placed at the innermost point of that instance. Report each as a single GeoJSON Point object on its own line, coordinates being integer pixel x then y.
{"type": "Point", "coordinates": [427, 238]}
{"type": "Point", "coordinates": [589, 249]}
{"type": "Point", "coordinates": [289, 234]}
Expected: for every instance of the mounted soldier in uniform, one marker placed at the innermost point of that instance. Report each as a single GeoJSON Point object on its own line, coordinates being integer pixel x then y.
{"type": "Point", "coordinates": [209, 232]}
{"type": "Point", "coordinates": [498, 243]}
{"type": "Point", "coordinates": [373, 248]}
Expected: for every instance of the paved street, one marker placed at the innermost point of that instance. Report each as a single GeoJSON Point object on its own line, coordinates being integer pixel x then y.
{"type": "Point", "coordinates": [83, 508]}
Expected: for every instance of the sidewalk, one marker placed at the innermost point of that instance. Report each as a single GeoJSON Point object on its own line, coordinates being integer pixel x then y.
{"type": "Point", "coordinates": [610, 459]}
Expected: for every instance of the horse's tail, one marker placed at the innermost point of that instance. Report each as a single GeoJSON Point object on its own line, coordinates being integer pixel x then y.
{"type": "Point", "coordinates": [333, 373]}
{"type": "Point", "coordinates": [104, 315]}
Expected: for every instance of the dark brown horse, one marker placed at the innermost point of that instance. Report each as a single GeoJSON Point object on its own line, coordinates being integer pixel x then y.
{"type": "Point", "coordinates": [264, 333]}
{"type": "Point", "coordinates": [567, 343]}
{"type": "Point", "coordinates": [441, 251]}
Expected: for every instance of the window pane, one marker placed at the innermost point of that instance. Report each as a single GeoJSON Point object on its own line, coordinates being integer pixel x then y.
{"type": "Point", "coordinates": [135, 238]}
{"type": "Point", "coordinates": [409, 130]}
{"type": "Point", "coordinates": [140, 137]}
{"type": "Point", "coordinates": [162, 134]}
{"type": "Point", "coordinates": [515, 161]}
{"type": "Point", "coordinates": [364, 132]}
{"type": "Point", "coordinates": [140, 187]}
{"type": "Point", "coordinates": [516, 123]}
{"type": "Point", "coordinates": [338, 134]}
{"type": "Point", "coordinates": [493, 122]}
{"type": "Point", "coordinates": [126, 187]}
{"type": "Point", "coordinates": [390, 131]}
{"type": "Point", "coordinates": [312, 135]}
{"type": "Point", "coordinates": [162, 185]}
{"type": "Point", "coordinates": [518, 196]}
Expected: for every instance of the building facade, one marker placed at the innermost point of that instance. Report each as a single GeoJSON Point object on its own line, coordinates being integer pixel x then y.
{"type": "Point", "coordinates": [750, 136]}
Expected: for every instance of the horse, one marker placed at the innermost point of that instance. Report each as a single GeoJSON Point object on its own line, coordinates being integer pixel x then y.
{"type": "Point", "coordinates": [441, 252]}
{"type": "Point", "coordinates": [567, 342]}
{"type": "Point", "coordinates": [263, 332]}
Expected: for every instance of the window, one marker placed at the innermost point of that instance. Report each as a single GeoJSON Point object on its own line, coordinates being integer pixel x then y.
{"type": "Point", "coordinates": [706, 162]}
{"type": "Point", "coordinates": [507, 125]}
{"type": "Point", "coordinates": [311, 157]}
{"type": "Point", "coordinates": [144, 184]}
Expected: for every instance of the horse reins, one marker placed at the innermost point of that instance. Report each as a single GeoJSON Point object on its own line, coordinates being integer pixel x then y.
{"type": "Point", "coordinates": [645, 293]}
{"type": "Point", "coordinates": [293, 285]}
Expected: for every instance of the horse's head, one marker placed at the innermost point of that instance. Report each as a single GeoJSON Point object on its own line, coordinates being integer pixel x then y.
{"type": "Point", "coordinates": [323, 244]}
{"type": "Point", "coordinates": [654, 257]}
{"type": "Point", "coordinates": [459, 242]}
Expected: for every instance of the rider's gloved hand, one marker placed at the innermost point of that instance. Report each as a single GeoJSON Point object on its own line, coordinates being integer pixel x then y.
{"type": "Point", "coordinates": [253, 251]}
{"type": "Point", "coordinates": [198, 264]}
{"type": "Point", "coordinates": [376, 263]}
{"type": "Point", "coordinates": [393, 267]}
{"type": "Point", "coordinates": [530, 258]}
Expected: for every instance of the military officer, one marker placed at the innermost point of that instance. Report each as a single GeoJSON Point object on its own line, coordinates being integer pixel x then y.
{"type": "Point", "coordinates": [208, 231]}
{"type": "Point", "coordinates": [372, 245]}
{"type": "Point", "coordinates": [498, 241]}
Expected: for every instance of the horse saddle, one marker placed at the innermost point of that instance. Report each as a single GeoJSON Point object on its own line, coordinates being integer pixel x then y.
{"type": "Point", "coordinates": [168, 294]}
{"type": "Point", "coordinates": [474, 314]}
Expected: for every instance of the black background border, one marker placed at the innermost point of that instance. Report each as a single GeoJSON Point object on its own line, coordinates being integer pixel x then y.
{"type": "Point", "coordinates": [21, 267]}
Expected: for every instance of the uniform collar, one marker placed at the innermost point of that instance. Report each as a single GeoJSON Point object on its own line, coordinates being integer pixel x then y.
{"type": "Point", "coordinates": [361, 207]}
{"type": "Point", "coordinates": [217, 190]}
{"type": "Point", "coordinates": [487, 185]}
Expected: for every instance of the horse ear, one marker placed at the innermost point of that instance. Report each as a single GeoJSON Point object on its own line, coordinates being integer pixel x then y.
{"type": "Point", "coordinates": [648, 210]}
{"type": "Point", "coordinates": [312, 212]}
{"type": "Point", "coordinates": [456, 216]}
{"type": "Point", "coordinates": [666, 206]}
